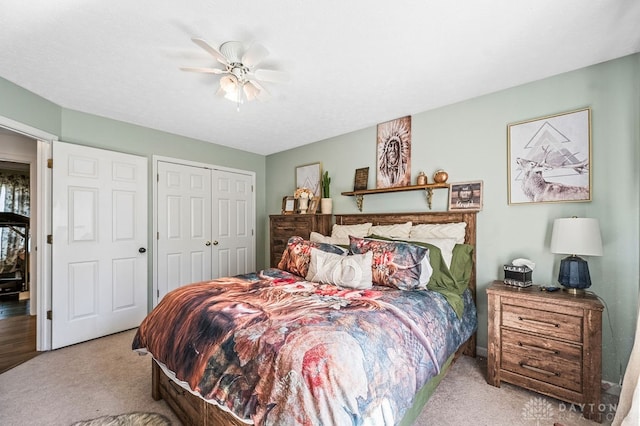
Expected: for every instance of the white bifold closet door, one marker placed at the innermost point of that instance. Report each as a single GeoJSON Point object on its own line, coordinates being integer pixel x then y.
{"type": "Point", "coordinates": [205, 225]}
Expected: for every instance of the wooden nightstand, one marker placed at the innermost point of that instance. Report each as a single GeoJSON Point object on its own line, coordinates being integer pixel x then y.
{"type": "Point", "coordinates": [284, 226]}
{"type": "Point", "coordinates": [550, 343]}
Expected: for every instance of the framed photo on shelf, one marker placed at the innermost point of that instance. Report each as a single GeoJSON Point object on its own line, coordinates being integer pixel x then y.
{"type": "Point", "coordinates": [465, 196]}
{"type": "Point", "coordinates": [550, 158]}
{"type": "Point", "coordinates": [289, 205]}
{"type": "Point", "coordinates": [393, 153]}
{"type": "Point", "coordinates": [313, 205]}
{"type": "Point", "coordinates": [308, 176]}
{"type": "Point", "coordinates": [362, 179]}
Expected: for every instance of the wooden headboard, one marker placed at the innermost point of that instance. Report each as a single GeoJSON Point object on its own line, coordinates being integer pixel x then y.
{"type": "Point", "coordinates": [419, 218]}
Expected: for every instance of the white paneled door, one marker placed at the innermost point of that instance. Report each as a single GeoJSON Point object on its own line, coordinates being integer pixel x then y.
{"type": "Point", "coordinates": [232, 223]}
{"type": "Point", "coordinates": [99, 257]}
{"type": "Point", "coordinates": [205, 225]}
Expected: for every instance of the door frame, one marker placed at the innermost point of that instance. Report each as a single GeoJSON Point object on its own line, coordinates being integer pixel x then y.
{"type": "Point", "coordinates": [155, 159]}
{"type": "Point", "coordinates": [42, 250]}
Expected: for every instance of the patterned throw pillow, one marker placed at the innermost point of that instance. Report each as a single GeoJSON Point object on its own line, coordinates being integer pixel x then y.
{"type": "Point", "coordinates": [395, 264]}
{"type": "Point", "coordinates": [344, 271]}
{"type": "Point", "coordinates": [297, 255]}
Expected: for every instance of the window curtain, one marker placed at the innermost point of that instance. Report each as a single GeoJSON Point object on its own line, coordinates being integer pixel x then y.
{"type": "Point", "coordinates": [14, 197]}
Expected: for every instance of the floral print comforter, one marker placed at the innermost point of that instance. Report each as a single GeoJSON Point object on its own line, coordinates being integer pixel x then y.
{"type": "Point", "coordinates": [277, 350]}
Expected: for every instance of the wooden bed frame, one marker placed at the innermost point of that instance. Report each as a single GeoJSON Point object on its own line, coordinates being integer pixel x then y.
{"type": "Point", "coordinates": [194, 410]}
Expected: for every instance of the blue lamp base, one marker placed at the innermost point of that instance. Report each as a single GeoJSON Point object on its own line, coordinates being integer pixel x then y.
{"type": "Point", "coordinates": [574, 274]}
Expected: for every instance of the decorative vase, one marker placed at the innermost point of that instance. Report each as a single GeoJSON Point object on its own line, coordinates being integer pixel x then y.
{"type": "Point", "coordinates": [422, 179]}
{"type": "Point", "coordinates": [303, 205]}
{"type": "Point", "coordinates": [326, 205]}
{"type": "Point", "coordinates": [440, 176]}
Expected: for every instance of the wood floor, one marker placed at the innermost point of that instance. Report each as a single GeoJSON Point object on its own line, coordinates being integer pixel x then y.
{"type": "Point", "coordinates": [17, 333]}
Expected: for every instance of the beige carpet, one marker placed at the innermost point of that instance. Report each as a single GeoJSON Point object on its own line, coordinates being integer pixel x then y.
{"type": "Point", "coordinates": [104, 377]}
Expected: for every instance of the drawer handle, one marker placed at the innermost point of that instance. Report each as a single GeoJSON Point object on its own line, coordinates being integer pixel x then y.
{"type": "Point", "coordinates": [556, 325]}
{"type": "Point", "coordinates": [549, 351]}
{"type": "Point", "coordinates": [539, 370]}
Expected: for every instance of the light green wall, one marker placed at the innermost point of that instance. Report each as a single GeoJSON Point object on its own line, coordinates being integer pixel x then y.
{"type": "Point", "coordinates": [71, 126]}
{"type": "Point", "coordinates": [468, 139]}
{"type": "Point", "coordinates": [26, 107]}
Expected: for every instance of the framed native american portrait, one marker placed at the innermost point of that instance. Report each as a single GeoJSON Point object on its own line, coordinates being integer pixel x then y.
{"type": "Point", "coordinates": [393, 153]}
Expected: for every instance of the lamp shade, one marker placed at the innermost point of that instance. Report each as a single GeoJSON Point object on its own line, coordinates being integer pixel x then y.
{"type": "Point", "coordinates": [576, 235]}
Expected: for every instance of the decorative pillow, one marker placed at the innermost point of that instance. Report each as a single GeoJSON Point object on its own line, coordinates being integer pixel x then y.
{"type": "Point", "coordinates": [395, 264]}
{"type": "Point", "coordinates": [342, 232]}
{"type": "Point", "coordinates": [439, 230]}
{"type": "Point", "coordinates": [398, 231]}
{"type": "Point", "coordinates": [297, 254]}
{"type": "Point", "coordinates": [316, 237]}
{"type": "Point", "coordinates": [344, 271]}
{"type": "Point", "coordinates": [445, 245]}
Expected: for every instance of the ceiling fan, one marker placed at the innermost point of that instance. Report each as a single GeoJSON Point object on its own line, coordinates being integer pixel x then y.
{"type": "Point", "coordinates": [240, 78]}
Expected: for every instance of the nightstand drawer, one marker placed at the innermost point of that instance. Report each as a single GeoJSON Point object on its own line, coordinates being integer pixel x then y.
{"type": "Point", "coordinates": [550, 361]}
{"type": "Point", "coordinates": [552, 324]}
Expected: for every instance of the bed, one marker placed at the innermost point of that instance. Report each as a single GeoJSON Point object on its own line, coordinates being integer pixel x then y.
{"type": "Point", "coordinates": [273, 348]}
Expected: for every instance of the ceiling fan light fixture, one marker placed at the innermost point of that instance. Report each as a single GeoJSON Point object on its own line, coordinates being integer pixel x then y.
{"type": "Point", "coordinates": [229, 84]}
{"type": "Point", "coordinates": [240, 80]}
{"type": "Point", "coordinates": [250, 91]}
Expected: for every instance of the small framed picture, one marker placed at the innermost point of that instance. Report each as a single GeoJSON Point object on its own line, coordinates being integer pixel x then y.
{"type": "Point", "coordinates": [313, 205]}
{"type": "Point", "coordinates": [465, 196]}
{"type": "Point", "coordinates": [308, 176]}
{"type": "Point", "coordinates": [289, 204]}
{"type": "Point", "coordinates": [361, 180]}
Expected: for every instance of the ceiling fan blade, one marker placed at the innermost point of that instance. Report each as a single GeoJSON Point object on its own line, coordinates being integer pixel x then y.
{"type": "Point", "coordinates": [212, 51]}
{"type": "Point", "coordinates": [204, 70]}
{"type": "Point", "coordinates": [271, 76]}
{"type": "Point", "coordinates": [254, 55]}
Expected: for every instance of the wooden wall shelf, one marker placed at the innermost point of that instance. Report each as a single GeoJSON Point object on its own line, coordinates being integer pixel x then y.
{"type": "Point", "coordinates": [428, 188]}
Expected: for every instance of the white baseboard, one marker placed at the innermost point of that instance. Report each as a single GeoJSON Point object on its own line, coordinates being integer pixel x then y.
{"type": "Point", "coordinates": [480, 351]}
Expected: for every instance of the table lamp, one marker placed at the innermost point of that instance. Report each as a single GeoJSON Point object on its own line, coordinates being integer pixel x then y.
{"type": "Point", "coordinates": [575, 236]}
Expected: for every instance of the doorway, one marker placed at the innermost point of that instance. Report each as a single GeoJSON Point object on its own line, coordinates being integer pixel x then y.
{"type": "Point", "coordinates": [18, 313]}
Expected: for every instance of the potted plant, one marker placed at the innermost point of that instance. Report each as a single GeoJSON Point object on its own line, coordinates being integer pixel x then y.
{"type": "Point", "coordinates": [326, 204]}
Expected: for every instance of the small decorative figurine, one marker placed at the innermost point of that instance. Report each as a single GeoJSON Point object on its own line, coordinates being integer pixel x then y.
{"type": "Point", "coordinates": [440, 176]}
{"type": "Point", "coordinates": [422, 179]}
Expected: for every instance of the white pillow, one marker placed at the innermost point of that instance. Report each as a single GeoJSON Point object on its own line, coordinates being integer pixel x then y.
{"type": "Point", "coordinates": [316, 237]}
{"type": "Point", "coordinates": [445, 245]}
{"type": "Point", "coordinates": [425, 272]}
{"type": "Point", "coordinates": [341, 232]}
{"type": "Point", "coordinates": [352, 271]}
{"type": "Point", "coordinates": [397, 232]}
{"type": "Point", "coordinates": [439, 230]}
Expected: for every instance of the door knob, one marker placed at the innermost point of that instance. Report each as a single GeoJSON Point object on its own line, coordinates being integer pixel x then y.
{"type": "Point", "coordinates": [208, 243]}
{"type": "Point", "coordinates": [142, 250]}
{"type": "Point", "coordinates": [215, 243]}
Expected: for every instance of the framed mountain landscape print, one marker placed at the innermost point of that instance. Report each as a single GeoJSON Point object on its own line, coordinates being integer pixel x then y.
{"type": "Point", "coordinates": [550, 158]}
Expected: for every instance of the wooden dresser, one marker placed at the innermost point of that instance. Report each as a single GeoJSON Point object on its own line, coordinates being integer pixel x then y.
{"type": "Point", "coordinates": [547, 342]}
{"type": "Point", "coordinates": [284, 226]}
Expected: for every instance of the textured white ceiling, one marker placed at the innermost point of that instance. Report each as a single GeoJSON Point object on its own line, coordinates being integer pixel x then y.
{"type": "Point", "coordinates": [353, 63]}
